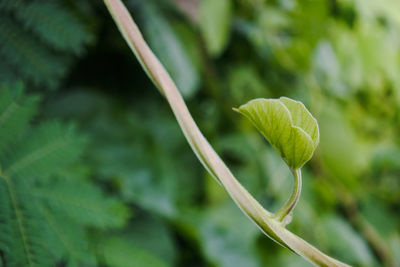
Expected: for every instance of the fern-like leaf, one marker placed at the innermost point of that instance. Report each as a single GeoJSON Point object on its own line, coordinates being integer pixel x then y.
{"type": "Point", "coordinates": [23, 240]}
{"type": "Point", "coordinates": [67, 240]}
{"type": "Point", "coordinates": [55, 25]}
{"type": "Point", "coordinates": [5, 214]}
{"type": "Point", "coordinates": [83, 203]}
{"type": "Point", "coordinates": [50, 147]}
{"type": "Point", "coordinates": [15, 112]}
{"type": "Point", "coordinates": [39, 40]}
{"type": "Point", "coordinates": [43, 217]}
{"type": "Point", "coordinates": [35, 62]}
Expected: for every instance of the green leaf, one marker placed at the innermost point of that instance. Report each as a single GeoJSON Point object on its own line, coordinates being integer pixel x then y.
{"type": "Point", "coordinates": [56, 25]}
{"type": "Point", "coordinates": [287, 125]}
{"type": "Point", "coordinates": [345, 242]}
{"type": "Point", "coordinates": [83, 203]}
{"type": "Point", "coordinates": [66, 239]}
{"type": "Point", "coordinates": [166, 44]}
{"type": "Point", "coordinates": [227, 238]}
{"type": "Point", "coordinates": [28, 57]}
{"type": "Point", "coordinates": [152, 234]}
{"type": "Point", "coordinates": [215, 24]}
{"type": "Point", "coordinates": [16, 110]}
{"type": "Point", "coordinates": [40, 39]}
{"type": "Point", "coordinates": [47, 149]}
{"type": "Point", "coordinates": [344, 154]}
{"type": "Point", "coordinates": [118, 252]}
{"type": "Point", "coordinates": [21, 226]}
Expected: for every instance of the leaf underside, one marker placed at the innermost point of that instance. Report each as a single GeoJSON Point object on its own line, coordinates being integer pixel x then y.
{"type": "Point", "coordinates": [287, 125]}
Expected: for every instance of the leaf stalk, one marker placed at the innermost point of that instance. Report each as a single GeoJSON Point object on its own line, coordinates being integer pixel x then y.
{"type": "Point", "coordinates": [284, 214]}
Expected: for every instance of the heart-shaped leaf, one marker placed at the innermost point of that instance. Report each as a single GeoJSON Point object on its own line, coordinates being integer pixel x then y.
{"type": "Point", "coordinates": [287, 125]}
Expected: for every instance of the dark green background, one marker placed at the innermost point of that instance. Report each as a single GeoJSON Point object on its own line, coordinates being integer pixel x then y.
{"type": "Point", "coordinates": [146, 200]}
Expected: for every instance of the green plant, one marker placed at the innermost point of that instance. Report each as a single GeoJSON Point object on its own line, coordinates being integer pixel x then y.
{"type": "Point", "coordinates": [47, 202]}
{"type": "Point", "coordinates": [292, 131]}
{"type": "Point", "coordinates": [39, 40]}
{"type": "Point", "coordinates": [297, 123]}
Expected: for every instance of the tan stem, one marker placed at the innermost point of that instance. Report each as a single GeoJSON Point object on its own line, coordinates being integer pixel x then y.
{"type": "Point", "coordinates": [206, 154]}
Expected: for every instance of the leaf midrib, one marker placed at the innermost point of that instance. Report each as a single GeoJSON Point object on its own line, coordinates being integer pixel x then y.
{"type": "Point", "coordinates": [50, 220]}
{"type": "Point", "coordinates": [19, 217]}
{"type": "Point", "coordinates": [35, 155]}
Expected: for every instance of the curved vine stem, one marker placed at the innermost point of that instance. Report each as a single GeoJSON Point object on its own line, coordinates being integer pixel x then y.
{"type": "Point", "coordinates": [285, 213]}
{"type": "Point", "coordinates": [206, 154]}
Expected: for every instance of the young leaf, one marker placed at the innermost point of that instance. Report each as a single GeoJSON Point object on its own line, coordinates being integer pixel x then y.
{"type": "Point", "coordinates": [287, 125]}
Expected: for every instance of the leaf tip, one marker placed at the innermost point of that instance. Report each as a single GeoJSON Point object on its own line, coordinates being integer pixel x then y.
{"type": "Point", "coordinates": [236, 109]}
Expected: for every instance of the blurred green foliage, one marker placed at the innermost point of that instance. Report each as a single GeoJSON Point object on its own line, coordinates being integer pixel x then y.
{"type": "Point", "coordinates": [136, 195]}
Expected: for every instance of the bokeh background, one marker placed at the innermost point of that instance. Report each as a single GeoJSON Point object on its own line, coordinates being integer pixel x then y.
{"type": "Point", "coordinates": [137, 196]}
